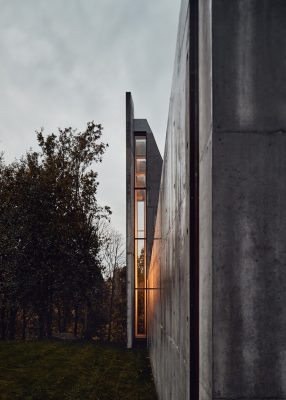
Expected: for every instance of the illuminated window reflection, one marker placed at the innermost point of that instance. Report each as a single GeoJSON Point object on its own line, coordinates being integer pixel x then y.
{"type": "Point", "coordinates": [140, 172]}
{"type": "Point", "coordinates": [140, 214]}
{"type": "Point", "coordinates": [140, 236]}
{"type": "Point", "coordinates": [140, 262]}
{"type": "Point", "coordinates": [141, 313]}
{"type": "Point", "coordinates": [140, 147]}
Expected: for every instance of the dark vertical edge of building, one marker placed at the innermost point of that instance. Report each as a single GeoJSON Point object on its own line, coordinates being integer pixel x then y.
{"type": "Point", "coordinates": [127, 139]}
{"type": "Point", "coordinates": [129, 214]}
{"type": "Point", "coordinates": [194, 198]}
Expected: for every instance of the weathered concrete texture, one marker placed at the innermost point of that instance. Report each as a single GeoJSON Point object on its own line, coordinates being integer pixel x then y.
{"type": "Point", "coordinates": [130, 217]}
{"type": "Point", "coordinates": [249, 196]}
{"type": "Point", "coordinates": [249, 266]}
{"type": "Point", "coordinates": [205, 200]}
{"type": "Point", "coordinates": [168, 299]}
{"type": "Point", "coordinates": [249, 64]}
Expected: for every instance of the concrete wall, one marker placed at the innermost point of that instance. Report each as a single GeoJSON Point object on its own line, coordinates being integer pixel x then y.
{"type": "Point", "coordinates": [205, 199]}
{"type": "Point", "coordinates": [249, 197]}
{"type": "Point", "coordinates": [169, 308]}
{"type": "Point", "coordinates": [242, 219]}
{"type": "Point", "coordinates": [130, 217]}
{"type": "Point", "coordinates": [168, 300]}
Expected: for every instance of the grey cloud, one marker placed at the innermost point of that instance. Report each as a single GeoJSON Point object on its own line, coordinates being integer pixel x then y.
{"type": "Point", "coordinates": [65, 62]}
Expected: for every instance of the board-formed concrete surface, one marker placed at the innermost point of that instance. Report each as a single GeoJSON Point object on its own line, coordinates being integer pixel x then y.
{"type": "Point", "coordinates": [205, 200]}
{"type": "Point", "coordinates": [249, 277]}
{"type": "Point", "coordinates": [241, 108]}
{"type": "Point", "coordinates": [168, 300]}
{"type": "Point", "coordinates": [249, 197]}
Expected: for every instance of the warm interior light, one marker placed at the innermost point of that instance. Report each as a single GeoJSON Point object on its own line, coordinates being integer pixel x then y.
{"type": "Point", "coordinates": [140, 237]}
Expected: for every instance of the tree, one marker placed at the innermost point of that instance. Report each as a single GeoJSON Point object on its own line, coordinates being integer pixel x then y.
{"type": "Point", "coordinates": [49, 243]}
{"type": "Point", "coordinates": [114, 260]}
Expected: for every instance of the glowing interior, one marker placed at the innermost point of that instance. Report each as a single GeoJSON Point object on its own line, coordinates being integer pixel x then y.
{"type": "Point", "coordinates": [140, 237]}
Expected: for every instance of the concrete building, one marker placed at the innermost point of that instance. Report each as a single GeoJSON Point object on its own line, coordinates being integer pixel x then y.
{"type": "Point", "coordinates": [216, 284]}
{"type": "Point", "coordinates": [143, 173]}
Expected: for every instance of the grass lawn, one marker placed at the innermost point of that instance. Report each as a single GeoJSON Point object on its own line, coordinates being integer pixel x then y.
{"type": "Point", "coordinates": [64, 370]}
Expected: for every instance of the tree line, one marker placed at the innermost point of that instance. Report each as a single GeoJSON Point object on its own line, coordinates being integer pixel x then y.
{"type": "Point", "coordinates": [61, 266]}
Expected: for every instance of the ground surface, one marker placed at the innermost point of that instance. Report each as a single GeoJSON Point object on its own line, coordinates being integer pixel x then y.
{"type": "Point", "coordinates": [56, 370]}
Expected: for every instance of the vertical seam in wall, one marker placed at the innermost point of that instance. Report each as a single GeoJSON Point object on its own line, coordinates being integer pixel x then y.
{"type": "Point", "coordinates": [194, 199]}
{"type": "Point", "coordinates": [211, 215]}
{"type": "Point", "coordinates": [212, 236]}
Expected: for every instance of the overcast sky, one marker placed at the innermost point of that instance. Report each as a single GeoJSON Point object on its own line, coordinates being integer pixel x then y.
{"type": "Point", "coordinates": [67, 62]}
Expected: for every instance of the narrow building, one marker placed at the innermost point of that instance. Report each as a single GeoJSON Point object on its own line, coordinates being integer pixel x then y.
{"type": "Point", "coordinates": [143, 174]}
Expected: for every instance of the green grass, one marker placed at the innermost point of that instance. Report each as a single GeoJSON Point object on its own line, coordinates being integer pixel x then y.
{"type": "Point", "coordinates": [52, 370]}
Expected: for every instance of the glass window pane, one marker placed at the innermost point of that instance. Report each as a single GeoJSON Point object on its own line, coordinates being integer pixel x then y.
{"type": "Point", "coordinates": [140, 196]}
{"type": "Point", "coordinates": [141, 304]}
{"type": "Point", "coordinates": [140, 146]}
{"type": "Point", "coordinates": [140, 263]}
{"type": "Point", "coordinates": [140, 236]}
{"type": "Point", "coordinates": [140, 181]}
{"type": "Point", "coordinates": [140, 172]}
{"type": "Point", "coordinates": [141, 219]}
{"type": "Point", "coordinates": [140, 165]}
